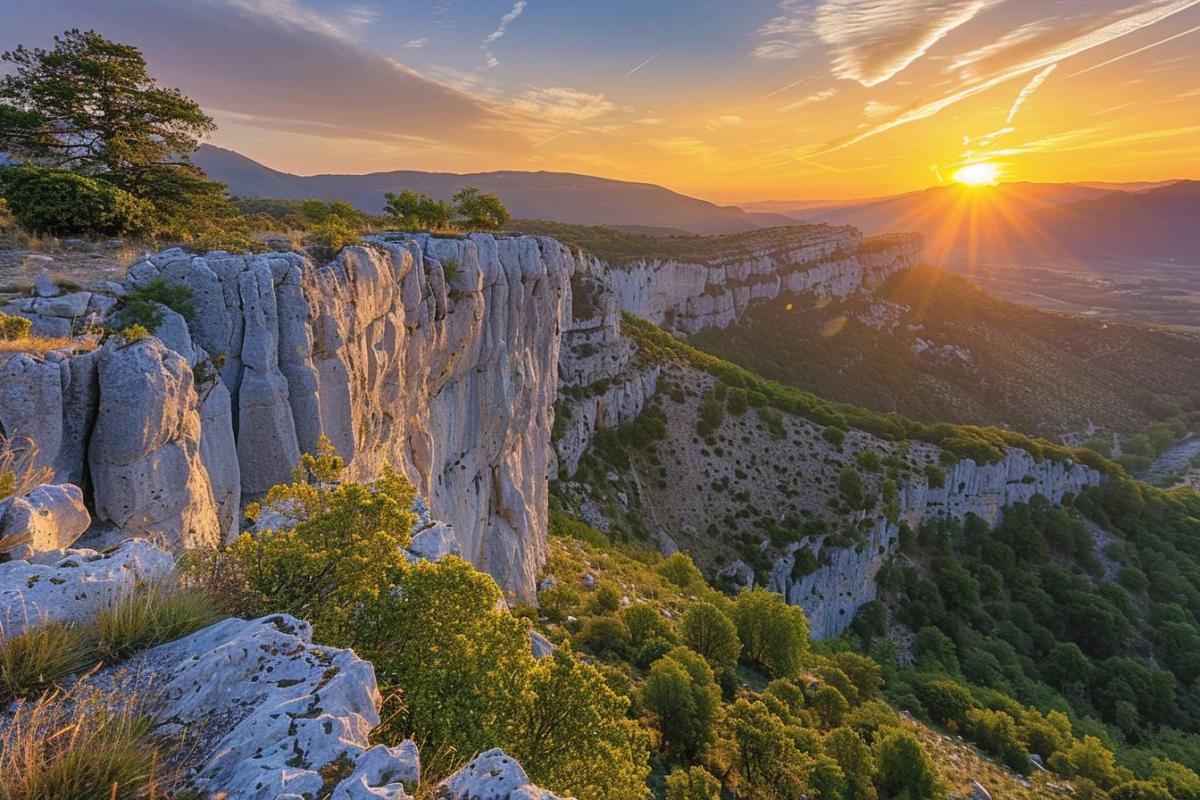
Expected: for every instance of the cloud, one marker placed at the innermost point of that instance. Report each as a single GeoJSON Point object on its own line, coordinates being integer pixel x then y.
{"type": "Point", "coordinates": [1141, 49]}
{"type": "Point", "coordinates": [415, 44]}
{"type": "Point", "coordinates": [272, 61]}
{"type": "Point", "coordinates": [1018, 36]}
{"type": "Point", "coordinates": [1027, 91]}
{"type": "Point", "coordinates": [871, 40]}
{"type": "Point", "coordinates": [684, 145]}
{"type": "Point", "coordinates": [1148, 14]}
{"type": "Point", "coordinates": [501, 29]}
{"type": "Point", "coordinates": [725, 122]}
{"type": "Point", "coordinates": [815, 97]}
{"type": "Point", "coordinates": [560, 104]}
{"type": "Point", "coordinates": [875, 109]}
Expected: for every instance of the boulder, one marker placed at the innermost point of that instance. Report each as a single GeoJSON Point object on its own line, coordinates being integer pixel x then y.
{"type": "Point", "coordinates": [540, 645]}
{"type": "Point", "coordinates": [45, 286]}
{"type": "Point", "coordinates": [64, 305]}
{"type": "Point", "coordinates": [284, 709]}
{"type": "Point", "coordinates": [46, 519]}
{"type": "Point", "coordinates": [493, 775]}
{"type": "Point", "coordinates": [74, 588]}
{"type": "Point", "coordinates": [145, 459]}
{"type": "Point", "coordinates": [434, 543]}
{"type": "Point", "coordinates": [31, 399]}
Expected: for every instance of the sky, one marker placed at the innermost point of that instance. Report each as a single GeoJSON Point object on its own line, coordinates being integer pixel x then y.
{"type": "Point", "coordinates": [728, 100]}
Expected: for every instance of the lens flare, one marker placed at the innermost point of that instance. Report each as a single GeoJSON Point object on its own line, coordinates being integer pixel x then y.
{"type": "Point", "coordinates": [981, 174]}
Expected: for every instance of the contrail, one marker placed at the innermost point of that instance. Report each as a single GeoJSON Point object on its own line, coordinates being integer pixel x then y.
{"type": "Point", "coordinates": [1135, 52]}
{"type": "Point", "coordinates": [1028, 91]}
{"type": "Point", "coordinates": [644, 63]}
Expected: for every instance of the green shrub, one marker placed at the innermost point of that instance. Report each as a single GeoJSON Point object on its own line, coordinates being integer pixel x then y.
{"type": "Point", "coordinates": [141, 306]}
{"type": "Point", "coordinates": [773, 634]}
{"type": "Point", "coordinates": [63, 203]}
{"type": "Point", "coordinates": [132, 334]}
{"type": "Point", "coordinates": [327, 238]}
{"type": "Point", "coordinates": [711, 633]}
{"type": "Point", "coordinates": [904, 768]}
{"type": "Point", "coordinates": [14, 328]}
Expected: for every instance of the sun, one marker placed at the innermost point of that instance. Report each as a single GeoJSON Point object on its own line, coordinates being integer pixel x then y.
{"type": "Point", "coordinates": [979, 174]}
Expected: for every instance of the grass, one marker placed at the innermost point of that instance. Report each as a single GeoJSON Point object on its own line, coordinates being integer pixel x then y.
{"type": "Point", "coordinates": [32, 661]}
{"type": "Point", "coordinates": [155, 614]}
{"type": "Point", "coordinates": [81, 745]}
{"type": "Point", "coordinates": [19, 471]}
{"type": "Point", "coordinates": [40, 345]}
{"type": "Point", "coordinates": [35, 660]}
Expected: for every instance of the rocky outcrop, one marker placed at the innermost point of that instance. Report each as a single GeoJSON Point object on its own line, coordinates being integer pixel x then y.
{"type": "Point", "coordinates": [44, 521]}
{"type": "Point", "coordinates": [266, 710]}
{"type": "Point", "coordinates": [832, 593]}
{"type": "Point", "coordinates": [604, 387]}
{"type": "Point", "coordinates": [438, 355]}
{"type": "Point", "coordinates": [76, 587]}
{"type": "Point", "coordinates": [714, 286]}
{"type": "Point", "coordinates": [493, 775]}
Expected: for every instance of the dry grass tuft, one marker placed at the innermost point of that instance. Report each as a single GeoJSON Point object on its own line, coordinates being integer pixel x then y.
{"type": "Point", "coordinates": [40, 345]}
{"type": "Point", "coordinates": [81, 745]}
{"type": "Point", "coordinates": [19, 471]}
{"type": "Point", "coordinates": [32, 661]}
{"type": "Point", "coordinates": [152, 615]}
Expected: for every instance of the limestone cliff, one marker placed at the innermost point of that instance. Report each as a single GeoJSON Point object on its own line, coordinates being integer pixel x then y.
{"type": "Point", "coordinates": [438, 355]}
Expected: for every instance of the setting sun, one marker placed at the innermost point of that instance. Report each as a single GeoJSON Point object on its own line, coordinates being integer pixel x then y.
{"type": "Point", "coordinates": [978, 174]}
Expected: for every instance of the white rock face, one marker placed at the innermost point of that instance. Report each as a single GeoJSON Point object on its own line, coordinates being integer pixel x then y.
{"type": "Point", "coordinates": [602, 388]}
{"type": "Point", "coordinates": [270, 709]}
{"type": "Point", "coordinates": [493, 775]}
{"type": "Point", "coordinates": [46, 520]}
{"type": "Point", "coordinates": [74, 588]}
{"type": "Point", "coordinates": [832, 593]}
{"type": "Point", "coordinates": [149, 478]}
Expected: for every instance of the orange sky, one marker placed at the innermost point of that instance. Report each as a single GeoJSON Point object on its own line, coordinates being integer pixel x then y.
{"type": "Point", "coordinates": [731, 101]}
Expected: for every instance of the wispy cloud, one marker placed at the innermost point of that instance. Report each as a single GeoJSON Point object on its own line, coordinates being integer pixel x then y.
{"type": "Point", "coordinates": [725, 122]}
{"type": "Point", "coordinates": [875, 109]}
{"type": "Point", "coordinates": [1149, 14]}
{"type": "Point", "coordinates": [415, 44]}
{"type": "Point", "coordinates": [644, 63]}
{"type": "Point", "coordinates": [561, 104]}
{"type": "Point", "coordinates": [815, 97]}
{"type": "Point", "coordinates": [871, 40]}
{"type": "Point", "coordinates": [1142, 49]}
{"type": "Point", "coordinates": [501, 29]}
{"type": "Point", "coordinates": [1027, 91]}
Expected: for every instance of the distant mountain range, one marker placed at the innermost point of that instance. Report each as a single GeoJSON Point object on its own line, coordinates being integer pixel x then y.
{"type": "Point", "coordinates": [1007, 223]}
{"type": "Point", "coordinates": [1034, 222]}
{"type": "Point", "coordinates": [559, 196]}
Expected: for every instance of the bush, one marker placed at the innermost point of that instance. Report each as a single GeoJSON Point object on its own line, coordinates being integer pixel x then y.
{"type": "Point", "coordinates": [63, 203]}
{"type": "Point", "coordinates": [479, 210]}
{"type": "Point", "coordinates": [14, 328]}
{"type": "Point", "coordinates": [708, 631]}
{"type": "Point", "coordinates": [904, 769]}
{"type": "Point", "coordinates": [946, 701]}
{"type": "Point", "coordinates": [692, 783]}
{"type": "Point", "coordinates": [142, 305]}
{"type": "Point", "coordinates": [774, 634]}
{"type": "Point", "coordinates": [328, 238]}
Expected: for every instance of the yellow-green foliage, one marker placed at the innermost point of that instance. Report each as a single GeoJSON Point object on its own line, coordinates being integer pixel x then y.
{"type": "Point", "coordinates": [337, 566]}
{"type": "Point", "coordinates": [457, 665]}
{"type": "Point", "coordinates": [983, 444]}
{"type": "Point", "coordinates": [13, 328]}
{"type": "Point", "coordinates": [132, 334]}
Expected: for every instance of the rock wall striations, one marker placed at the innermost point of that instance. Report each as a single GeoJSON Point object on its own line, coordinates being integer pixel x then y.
{"type": "Point", "coordinates": [439, 356]}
